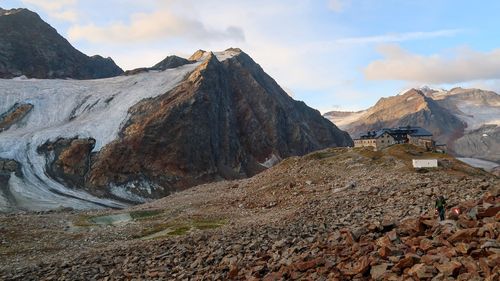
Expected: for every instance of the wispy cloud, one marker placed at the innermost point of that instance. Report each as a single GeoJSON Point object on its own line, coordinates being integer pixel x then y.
{"type": "Point", "coordinates": [159, 25]}
{"type": "Point", "coordinates": [461, 65]}
{"type": "Point", "coordinates": [400, 37]}
{"type": "Point", "coordinates": [59, 9]}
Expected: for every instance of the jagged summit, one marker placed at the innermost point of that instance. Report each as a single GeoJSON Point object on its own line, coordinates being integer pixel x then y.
{"type": "Point", "coordinates": [4, 12]}
{"type": "Point", "coordinates": [221, 55]}
{"type": "Point", "coordinates": [171, 62]}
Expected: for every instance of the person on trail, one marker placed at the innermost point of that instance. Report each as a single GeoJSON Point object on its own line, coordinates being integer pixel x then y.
{"type": "Point", "coordinates": [440, 206]}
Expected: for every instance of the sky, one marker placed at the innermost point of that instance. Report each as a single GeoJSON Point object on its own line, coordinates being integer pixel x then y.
{"type": "Point", "coordinates": [331, 54]}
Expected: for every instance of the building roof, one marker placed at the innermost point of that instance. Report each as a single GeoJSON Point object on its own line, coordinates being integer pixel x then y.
{"type": "Point", "coordinates": [417, 132]}
{"type": "Point", "coordinates": [399, 133]}
{"type": "Point", "coordinates": [375, 134]}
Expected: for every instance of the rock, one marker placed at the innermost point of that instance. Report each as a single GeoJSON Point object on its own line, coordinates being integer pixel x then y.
{"type": "Point", "coordinates": [384, 252]}
{"type": "Point", "coordinates": [425, 244]}
{"type": "Point", "coordinates": [274, 276]}
{"type": "Point", "coordinates": [359, 267]}
{"type": "Point", "coordinates": [462, 248]}
{"type": "Point", "coordinates": [449, 268]}
{"type": "Point", "coordinates": [377, 271]}
{"type": "Point", "coordinates": [421, 271]}
{"type": "Point", "coordinates": [489, 212]}
{"type": "Point", "coordinates": [406, 262]}
{"type": "Point", "coordinates": [463, 235]}
{"type": "Point", "coordinates": [233, 272]}
{"type": "Point", "coordinates": [351, 184]}
{"type": "Point", "coordinates": [306, 265]}
{"type": "Point", "coordinates": [411, 227]}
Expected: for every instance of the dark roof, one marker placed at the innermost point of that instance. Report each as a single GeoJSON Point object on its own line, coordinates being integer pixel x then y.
{"type": "Point", "coordinates": [398, 134]}
{"type": "Point", "coordinates": [375, 134]}
{"type": "Point", "coordinates": [418, 132]}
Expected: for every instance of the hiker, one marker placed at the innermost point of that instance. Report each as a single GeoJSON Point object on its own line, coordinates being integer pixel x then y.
{"type": "Point", "coordinates": [440, 206]}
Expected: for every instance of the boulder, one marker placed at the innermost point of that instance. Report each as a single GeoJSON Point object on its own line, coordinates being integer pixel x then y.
{"type": "Point", "coordinates": [463, 235]}
{"type": "Point", "coordinates": [377, 271]}
{"type": "Point", "coordinates": [449, 268]}
{"type": "Point", "coordinates": [421, 271]}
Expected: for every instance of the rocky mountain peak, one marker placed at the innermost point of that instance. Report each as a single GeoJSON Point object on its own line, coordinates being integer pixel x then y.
{"type": "Point", "coordinates": [31, 47]}
{"type": "Point", "coordinates": [197, 55]}
{"type": "Point", "coordinates": [171, 62]}
{"type": "Point", "coordinates": [394, 106]}
{"type": "Point", "coordinates": [4, 12]}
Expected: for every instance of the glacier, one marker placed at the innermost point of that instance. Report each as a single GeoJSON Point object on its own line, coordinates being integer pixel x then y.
{"type": "Point", "coordinates": [66, 109]}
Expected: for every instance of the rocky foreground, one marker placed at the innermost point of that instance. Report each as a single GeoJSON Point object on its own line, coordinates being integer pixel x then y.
{"type": "Point", "coordinates": [337, 214]}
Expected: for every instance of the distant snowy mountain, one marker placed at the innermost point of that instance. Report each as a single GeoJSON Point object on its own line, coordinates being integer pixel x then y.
{"type": "Point", "coordinates": [116, 141]}
{"type": "Point", "coordinates": [468, 120]}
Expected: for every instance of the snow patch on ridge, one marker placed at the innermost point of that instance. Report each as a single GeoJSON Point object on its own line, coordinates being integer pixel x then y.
{"type": "Point", "coordinates": [271, 161]}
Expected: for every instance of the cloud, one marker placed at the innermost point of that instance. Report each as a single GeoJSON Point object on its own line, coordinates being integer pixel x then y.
{"type": "Point", "coordinates": [462, 65]}
{"type": "Point", "coordinates": [338, 6]}
{"type": "Point", "coordinates": [399, 37]}
{"type": "Point", "coordinates": [156, 26]}
{"type": "Point", "coordinates": [59, 9]}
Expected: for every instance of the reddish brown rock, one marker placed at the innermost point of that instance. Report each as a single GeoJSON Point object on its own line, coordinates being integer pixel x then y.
{"type": "Point", "coordinates": [359, 267]}
{"type": "Point", "coordinates": [273, 276]}
{"type": "Point", "coordinates": [463, 248]}
{"type": "Point", "coordinates": [377, 271]}
{"type": "Point", "coordinates": [421, 271]}
{"type": "Point", "coordinates": [463, 235]}
{"type": "Point", "coordinates": [384, 241]}
{"type": "Point", "coordinates": [490, 212]}
{"type": "Point", "coordinates": [406, 262]}
{"type": "Point", "coordinates": [431, 259]}
{"type": "Point", "coordinates": [384, 251]}
{"type": "Point", "coordinates": [449, 268]}
{"type": "Point", "coordinates": [412, 227]}
{"type": "Point", "coordinates": [306, 265]}
{"type": "Point", "coordinates": [233, 272]}
{"type": "Point", "coordinates": [425, 244]}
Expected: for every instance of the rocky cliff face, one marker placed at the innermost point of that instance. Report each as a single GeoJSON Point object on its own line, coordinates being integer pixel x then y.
{"type": "Point", "coordinates": [31, 47]}
{"type": "Point", "coordinates": [227, 120]}
{"type": "Point", "coordinates": [456, 117]}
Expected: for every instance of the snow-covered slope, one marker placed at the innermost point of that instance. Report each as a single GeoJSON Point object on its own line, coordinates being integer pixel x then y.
{"type": "Point", "coordinates": [474, 106]}
{"type": "Point", "coordinates": [68, 108]}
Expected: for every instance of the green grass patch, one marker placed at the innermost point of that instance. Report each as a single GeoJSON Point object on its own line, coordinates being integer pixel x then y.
{"type": "Point", "coordinates": [83, 221]}
{"type": "Point", "coordinates": [139, 215]}
{"type": "Point", "coordinates": [208, 224]}
{"type": "Point", "coordinates": [181, 230]}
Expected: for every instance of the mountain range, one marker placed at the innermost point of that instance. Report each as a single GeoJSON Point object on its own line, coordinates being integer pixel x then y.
{"type": "Point", "coordinates": [148, 133]}
{"type": "Point", "coordinates": [467, 120]}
